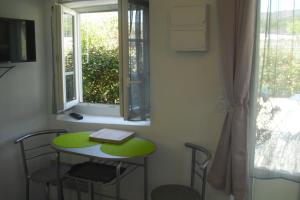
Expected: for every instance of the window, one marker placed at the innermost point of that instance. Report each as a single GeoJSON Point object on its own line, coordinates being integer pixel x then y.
{"type": "Point", "coordinates": [102, 56]}
{"type": "Point", "coordinates": [277, 149]}
{"type": "Point", "coordinates": [69, 55]}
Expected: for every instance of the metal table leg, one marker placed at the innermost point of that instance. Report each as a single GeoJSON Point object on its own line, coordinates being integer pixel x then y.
{"type": "Point", "coordinates": [145, 178]}
{"type": "Point", "coordinates": [59, 185]}
{"type": "Point", "coordinates": [91, 190]}
{"type": "Point", "coordinates": [77, 189]}
{"type": "Point", "coordinates": [118, 181]}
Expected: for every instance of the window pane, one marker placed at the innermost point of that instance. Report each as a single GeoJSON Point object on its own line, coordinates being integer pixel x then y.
{"type": "Point", "coordinates": [277, 150]}
{"type": "Point", "coordinates": [68, 28]}
{"type": "Point", "coordinates": [70, 87]}
{"type": "Point", "coordinates": [100, 57]}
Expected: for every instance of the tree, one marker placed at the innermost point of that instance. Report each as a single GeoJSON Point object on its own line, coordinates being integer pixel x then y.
{"type": "Point", "coordinates": [100, 62]}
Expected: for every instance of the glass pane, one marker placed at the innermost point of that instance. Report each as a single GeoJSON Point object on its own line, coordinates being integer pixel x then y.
{"type": "Point", "coordinates": [100, 57]}
{"type": "Point", "coordinates": [70, 87]}
{"type": "Point", "coordinates": [277, 149]}
{"type": "Point", "coordinates": [68, 28]}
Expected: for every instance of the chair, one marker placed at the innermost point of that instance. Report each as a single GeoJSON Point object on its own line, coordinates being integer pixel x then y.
{"type": "Point", "coordinates": [33, 151]}
{"type": "Point", "coordinates": [181, 192]}
{"type": "Point", "coordinates": [93, 172]}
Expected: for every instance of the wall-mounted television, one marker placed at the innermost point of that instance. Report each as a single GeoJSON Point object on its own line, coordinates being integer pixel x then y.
{"type": "Point", "coordinates": [17, 40]}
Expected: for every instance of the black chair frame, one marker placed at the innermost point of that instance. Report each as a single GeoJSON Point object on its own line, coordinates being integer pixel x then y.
{"type": "Point", "coordinates": [199, 165]}
{"type": "Point", "coordinates": [200, 160]}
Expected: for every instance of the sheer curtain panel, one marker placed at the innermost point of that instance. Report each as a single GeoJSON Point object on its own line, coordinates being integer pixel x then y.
{"type": "Point", "coordinates": [138, 66]}
{"type": "Point", "coordinates": [277, 144]}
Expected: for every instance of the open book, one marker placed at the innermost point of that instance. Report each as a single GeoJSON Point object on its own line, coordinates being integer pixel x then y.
{"type": "Point", "coordinates": [111, 136]}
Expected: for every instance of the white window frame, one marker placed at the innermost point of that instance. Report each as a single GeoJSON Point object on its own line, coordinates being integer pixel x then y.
{"type": "Point", "coordinates": [61, 80]}
{"type": "Point", "coordinates": [98, 108]}
{"type": "Point", "coordinates": [123, 60]}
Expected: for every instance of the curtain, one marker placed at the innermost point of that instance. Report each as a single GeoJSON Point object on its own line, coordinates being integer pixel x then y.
{"type": "Point", "coordinates": [57, 92]}
{"type": "Point", "coordinates": [277, 144]}
{"type": "Point", "coordinates": [138, 72]}
{"type": "Point", "coordinates": [229, 170]}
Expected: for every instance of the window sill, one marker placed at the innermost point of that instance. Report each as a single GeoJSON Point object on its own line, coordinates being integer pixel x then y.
{"type": "Point", "coordinates": [108, 120]}
{"type": "Point", "coordinates": [91, 109]}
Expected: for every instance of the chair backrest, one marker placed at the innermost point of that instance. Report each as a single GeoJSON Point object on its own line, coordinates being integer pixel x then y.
{"type": "Point", "coordinates": [32, 150]}
{"type": "Point", "coordinates": [200, 160]}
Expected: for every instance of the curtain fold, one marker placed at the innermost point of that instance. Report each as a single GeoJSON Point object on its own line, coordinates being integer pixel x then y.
{"type": "Point", "coordinates": [57, 104]}
{"type": "Point", "coordinates": [229, 171]}
{"type": "Point", "coordinates": [138, 72]}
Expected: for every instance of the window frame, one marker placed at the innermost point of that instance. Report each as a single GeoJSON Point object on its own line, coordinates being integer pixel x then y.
{"type": "Point", "coordinates": [84, 107]}
{"type": "Point", "coordinates": [59, 74]}
{"type": "Point", "coordinates": [264, 171]}
{"type": "Point", "coordinates": [63, 104]}
{"type": "Point", "coordinates": [123, 58]}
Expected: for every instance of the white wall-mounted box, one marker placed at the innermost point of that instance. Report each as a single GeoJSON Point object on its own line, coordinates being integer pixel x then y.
{"type": "Point", "coordinates": [188, 39]}
{"type": "Point", "coordinates": [188, 27]}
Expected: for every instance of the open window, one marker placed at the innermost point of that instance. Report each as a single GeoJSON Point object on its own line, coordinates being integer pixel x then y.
{"type": "Point", "coordinates": [102, 57]}
{"type": "Point", "coordinates": [66, 70]}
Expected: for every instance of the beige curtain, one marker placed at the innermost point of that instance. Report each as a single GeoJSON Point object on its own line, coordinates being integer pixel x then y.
{"type": "Point", "coordinates": [229, 171]}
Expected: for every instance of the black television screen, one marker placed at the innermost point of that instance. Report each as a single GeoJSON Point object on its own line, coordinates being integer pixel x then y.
{"type": "Point", "coordinates": [17, 40]}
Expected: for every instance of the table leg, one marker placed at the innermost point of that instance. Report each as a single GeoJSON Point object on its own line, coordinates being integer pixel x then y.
{"type": "Point", "coordinates": [145, 178]}
{"type": "Point", "coordinates": [91, 186]}
{"type": "Point", "coordinates": [118, 181]}
{"type": "Point", "coordinates": [77, 189]}
{"type": "Point", "coordinates": [91, 190]}
{"type": "Point", "coordinates": [59, 183]}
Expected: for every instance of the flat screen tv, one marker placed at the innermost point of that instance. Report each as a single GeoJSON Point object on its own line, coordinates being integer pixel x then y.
{"type": "Point", "coordinates": [17, 40]}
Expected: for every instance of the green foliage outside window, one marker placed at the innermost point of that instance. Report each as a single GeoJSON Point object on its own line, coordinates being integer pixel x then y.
{"type": "Point", "coordinates": [100, 59]}
{"type": "Point", "coordinates": [280, 56]}
{"type": "Point", "coordinates": [101, 76]}
{"type": "Point", "coordinates": [279, 68]}
{"type": "Point", "coordinates": [280, 72]}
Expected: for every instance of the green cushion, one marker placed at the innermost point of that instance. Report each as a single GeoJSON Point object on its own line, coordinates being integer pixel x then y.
{"type": "Point", "coordinates": [74, 140]}
{"type": "Point", "coordinates": [131, 148]}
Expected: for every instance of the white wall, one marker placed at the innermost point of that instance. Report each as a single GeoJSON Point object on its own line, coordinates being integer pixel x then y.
{"type": "Point", "coordinates": [276, 189]}
{"type": "Point", "coordinates": [185, 99]}
{"type": "Point", "coordinates": [22, 100]}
